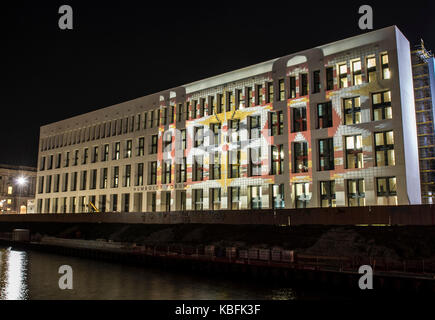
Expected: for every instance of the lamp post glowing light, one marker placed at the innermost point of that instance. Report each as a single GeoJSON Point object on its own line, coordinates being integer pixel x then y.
{"type": "Point", "coordinates": [21, 181]}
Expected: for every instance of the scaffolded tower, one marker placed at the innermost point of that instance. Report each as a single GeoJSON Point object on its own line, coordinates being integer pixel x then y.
{"type": "Point", "coordinates": [424, 92]}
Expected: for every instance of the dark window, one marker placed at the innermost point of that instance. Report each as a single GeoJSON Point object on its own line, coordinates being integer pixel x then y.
{"type": "Point", "coordinates": [299, 119]}
{"type": "Point", "coordinates": [93, 182]}
{"type": "Point", "coordinates": [234, 198]}
{"type": "Point", "coordinates": [141, 146]}
{"type": "Point", "coordinates": [330, 78]}
{"type": "Point", "coordinates": [117, 151]}
{"type": "Point", "coordinates": [115, 180]}
{"type": "Point", "coordinates": [139, 176]}
{"type": "Point", "coordinates": [201, 107]}
{"type": "Point", "coordinates": [198, 136]}
{"type": "Point", "coordinates": [198, 199]}
{"type": "Point", "coordinates": [300, 157]}
{"type": "Point", "coordinates": [106, 152]}
{"type": "Point", "coordinates": [316, 81]}
{"type": "Point", "coordinates": [386, 187]}
{"type": "Point", "coordinates": [103, 184]}
{"type": "Point", "coordinates": [258, 95]}
{"type": "Point", "coordinates": [166, 173]}
{"type": "Point", "coordinates": [229, 102]}
{"type": "Point", "coordinates": [215, 166]}
{"type": "Point", "coordinates": [153, 144]}
{"type": "Point", "coordinates": [324, 115]}
{"type": "Point", "coordinates": [248, 97]}
{"type": "Point", "coordinates": [304, 84]}
{"type": "Point", "coordinates": [255, 197]}
{"type": "Point", "coordinates": [292, 91]}
{"type": "Point", "coordinates": [152, 176]}
{"type": "Point", "coordinates": [327, 193]}
{"type": "Point", "coordinates": [302, 194]}
{"type": "Point", "coordinates": [239, 96]}
{"type": "Point", "coordinates": [276, 123]}
{"type": "Point", "coordinates": [198, 168]}
{"type": "Point", "coordinates": [215, 129]}
{"type": "Point", "coordinates": [128, 148]}
{"type": "Point", "coordinates": [127, 177]}
{"type": "Point", "coordinates": [215, 198]}
{"type": "Point", "coordinates": [85, 156]}
{"type": "Point", "coordinates": [326, 154]}
{"type": "Point", "coordinates": [255, 127]}
{"type": "Point", "coordinates": [181, 171]}
{"type": "Point", "coordinates": [220, 103]}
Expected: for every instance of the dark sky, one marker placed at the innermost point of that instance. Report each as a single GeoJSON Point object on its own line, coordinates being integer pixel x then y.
{"type": "Point", "coordinates": [122, 50]}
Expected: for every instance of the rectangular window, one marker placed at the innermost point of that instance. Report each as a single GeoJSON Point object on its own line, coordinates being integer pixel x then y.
{"type": "Point", "coordinates": [254, 127]}
{"type": "Point", "coordinates": [85, 156]}
{"type": "Point", "coordinates": [303, 84]}
{"type": "Point", "coordinates": [167, 141]}
{"type": "Point", "coordinates": [326, 154]}
{"type": "Point", "coordinates": [354, 152]}
{"type": "Point", "coordinates": [233, 130]}
{"type": "Point", "coordinates": [381, 102]}
{"type": "Point", "coordinates": [255, 161]}
{"type": "Point", "coordinates": [180, 112]}
{"type": "Point", "coordinates": [165, 116]}
{"type": "Point", "coordinates": [277, 165]}
{"type": "Point", "coordinates": [198, 168]}
{"type": "Point", "coordinates": [299, 119]}
{"type": "Point", "coordinates": [106, 153]}
{"type": "Point", "coordinates": [76, 157]}
{"type": "Point", "coordinates": [74, 181]}
{"type": "Point", "coordinates": [58, 160]}
{"type": "Point", "coordinates": [181, 171]}
{"type": "Point", "coordinates": [229, 102]}
{"type": "Point", "coordinates": [327, 194]}
{"type": "Point", "coordinates": [151, 119]}
{"type": "Point", "coordinates": [198, 136]}
{"type": "Point", "coordinates": [234, 163]}
{"type": "Point", "coordinates": [194, 109]}
{"type": "Point", "coordinates": [139, 174]}
{"type": "Point", "coordinates": [93, 182]}
{"type": "Point", "coordinates": [248, 97]}
{"type": "Point", "coordinates": [141, 146]}
{"type": "Point", "coordinates": [352, 110]}
{"type": "Point", "coordinates": [103, 183]}
{"type": "Point", "coordinates": [255, 197]}
{"type": "Point", "coordinates": [202, 107]}
{"type": "Point", "coordinates": [198, 199]}
{"type": "Point", "coordinates": [128, 148]}
{"type": "Point", "coordinates": [117, 151]}
{"type": "Point", "coordinates": [300, 157]}
{"type": "Point", "coordinates": [83, 180]}
{"type": "Point", "coordinates": [95, 154]}
{"type": "Point", "coordinates": [386, 188]}
{"type": "Point", "coordinates": [56, 183]}
{"type": "Point", "coordinates": [277, 196]}
{"type": "Point", "coordinates": [216, 130]}
{"type": "Point", "coordinates": [302, 194]}
{"type": "Point", "coordinates": [324, 115]}
{"type": "Point", "coordinates": [356, 72]}
{"type": "Point", "coordinates": [152, 169]}
{"type": "Point", "coordinates": [42, 164]}
{"type": "Point", "coordinates": [292, 85]}
{"type": "Point", "coordinates": [342, 75]}
{"type": "Point", "coordinates": [153, 144]}
{"type": "Point", "coordinates": [384, 146]}
{"type": "Point", "coordinates": [281, 86]}
{"type": "Point", "coordinates": [330, 78]}
{"type": "Point", "coordinates": [234, 198]}
{"type": "Point", "coordinates": [355, 192]}
{"type": "Point", "coordinates": [115, 180]}
{"type": "Point", "coordinates": [316, 81]}
{"type": "Point", "coordinates": [385, 67]}
{"type": "Point", "coordinates": [258, 95]}
{"type": "Point", "coordinates": [157, 118]}
{"type": "Point", "coordinates": [239, 96]}
{"type": "Point", "coordinates": [41, 184]}
{"type": "Point", "coordinates": [371, 69]}
{"type": "Point", "coordinates": [166, 172]}
{"type": "Point", "coordinates": [270, 92]}
{"type": "Point", "coordinates": [215, 166]}
{"type": "Point", "coordinates": [127, 177]}
{"type": "Point", "coordinates": [220, 103]}
{"type": "Point", "coordinates": [215, 198]}
{"type": "Point", "coordinates": [183, 139]}
{"type": "Point", "coordinates": [276, 123]}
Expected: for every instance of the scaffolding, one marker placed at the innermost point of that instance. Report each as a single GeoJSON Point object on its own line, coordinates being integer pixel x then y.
{"type": "Point", "coordinates": [424, 85]}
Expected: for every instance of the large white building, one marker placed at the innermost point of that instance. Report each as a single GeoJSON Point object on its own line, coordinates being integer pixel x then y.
{"type": "Point", "coordinates": [329, 126]}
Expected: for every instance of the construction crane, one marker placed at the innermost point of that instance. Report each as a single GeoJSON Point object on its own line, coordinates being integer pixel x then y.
{"type": "Point", "coordinates": [92, 207]}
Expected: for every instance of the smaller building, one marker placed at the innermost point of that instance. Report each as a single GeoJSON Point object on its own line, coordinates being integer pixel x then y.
{"type": "Point", "coordinates": [17, 186]}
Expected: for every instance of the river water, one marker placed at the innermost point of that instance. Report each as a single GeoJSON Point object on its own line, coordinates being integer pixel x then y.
{"type": "Point", "coordinates": [34, 275]}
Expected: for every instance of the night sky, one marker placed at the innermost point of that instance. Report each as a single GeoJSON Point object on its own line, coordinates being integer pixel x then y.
{"type": "Point", "coordinates": [123, 50]}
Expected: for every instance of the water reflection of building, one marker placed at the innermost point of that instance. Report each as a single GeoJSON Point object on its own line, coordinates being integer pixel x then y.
{"type": "Point", "coordinates": [17, 185]}
{"type": "Point", "coordinates": [13, 275]}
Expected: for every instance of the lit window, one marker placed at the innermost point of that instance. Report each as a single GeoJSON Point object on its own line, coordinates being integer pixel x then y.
{"type": "Point", "coordinates": [356, 192]}
{"type": "Point", "coordinates": [352, 110]}
{"type": "Point", "coordinates": [342, 75]}
{"type": "Point", "coordinates": [386, 190]}
{"type": "Point", "coordinates": [300, 157]}
{"type": "Point", "coordinates": [371, 69]}
{"type": "Point", "coordinates": [384, 145]}
{"type": "Point", "coordinates": [299, 119]}
{"type": "Point", "coordinates": [10, 189]}
{"type": "Point", "coordinates": [385, 67]}
{"type": "Point", "coordinates": [327, 193]}
{"type": "Point", "coordinates": [302, 196]}
{"type": "Point", "coordinates": [382, 105]}
{"type": "Point", "coordinates": [356, 70]}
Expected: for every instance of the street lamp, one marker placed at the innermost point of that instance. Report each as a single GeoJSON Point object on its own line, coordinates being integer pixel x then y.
{"type": "Point", "coordinates": [21, 182]}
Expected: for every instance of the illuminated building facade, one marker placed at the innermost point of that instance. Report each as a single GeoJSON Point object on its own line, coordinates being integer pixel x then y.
{"type": "Point", "coordinates": [17, 185]}
{"type": "Point", "coordinates": [423, 64]}
{"type": "Point", "coordinates": [329, 126]}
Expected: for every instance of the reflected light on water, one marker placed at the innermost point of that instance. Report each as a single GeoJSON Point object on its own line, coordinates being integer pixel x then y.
{"type": "Point", "coordinates": [13, 275]}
